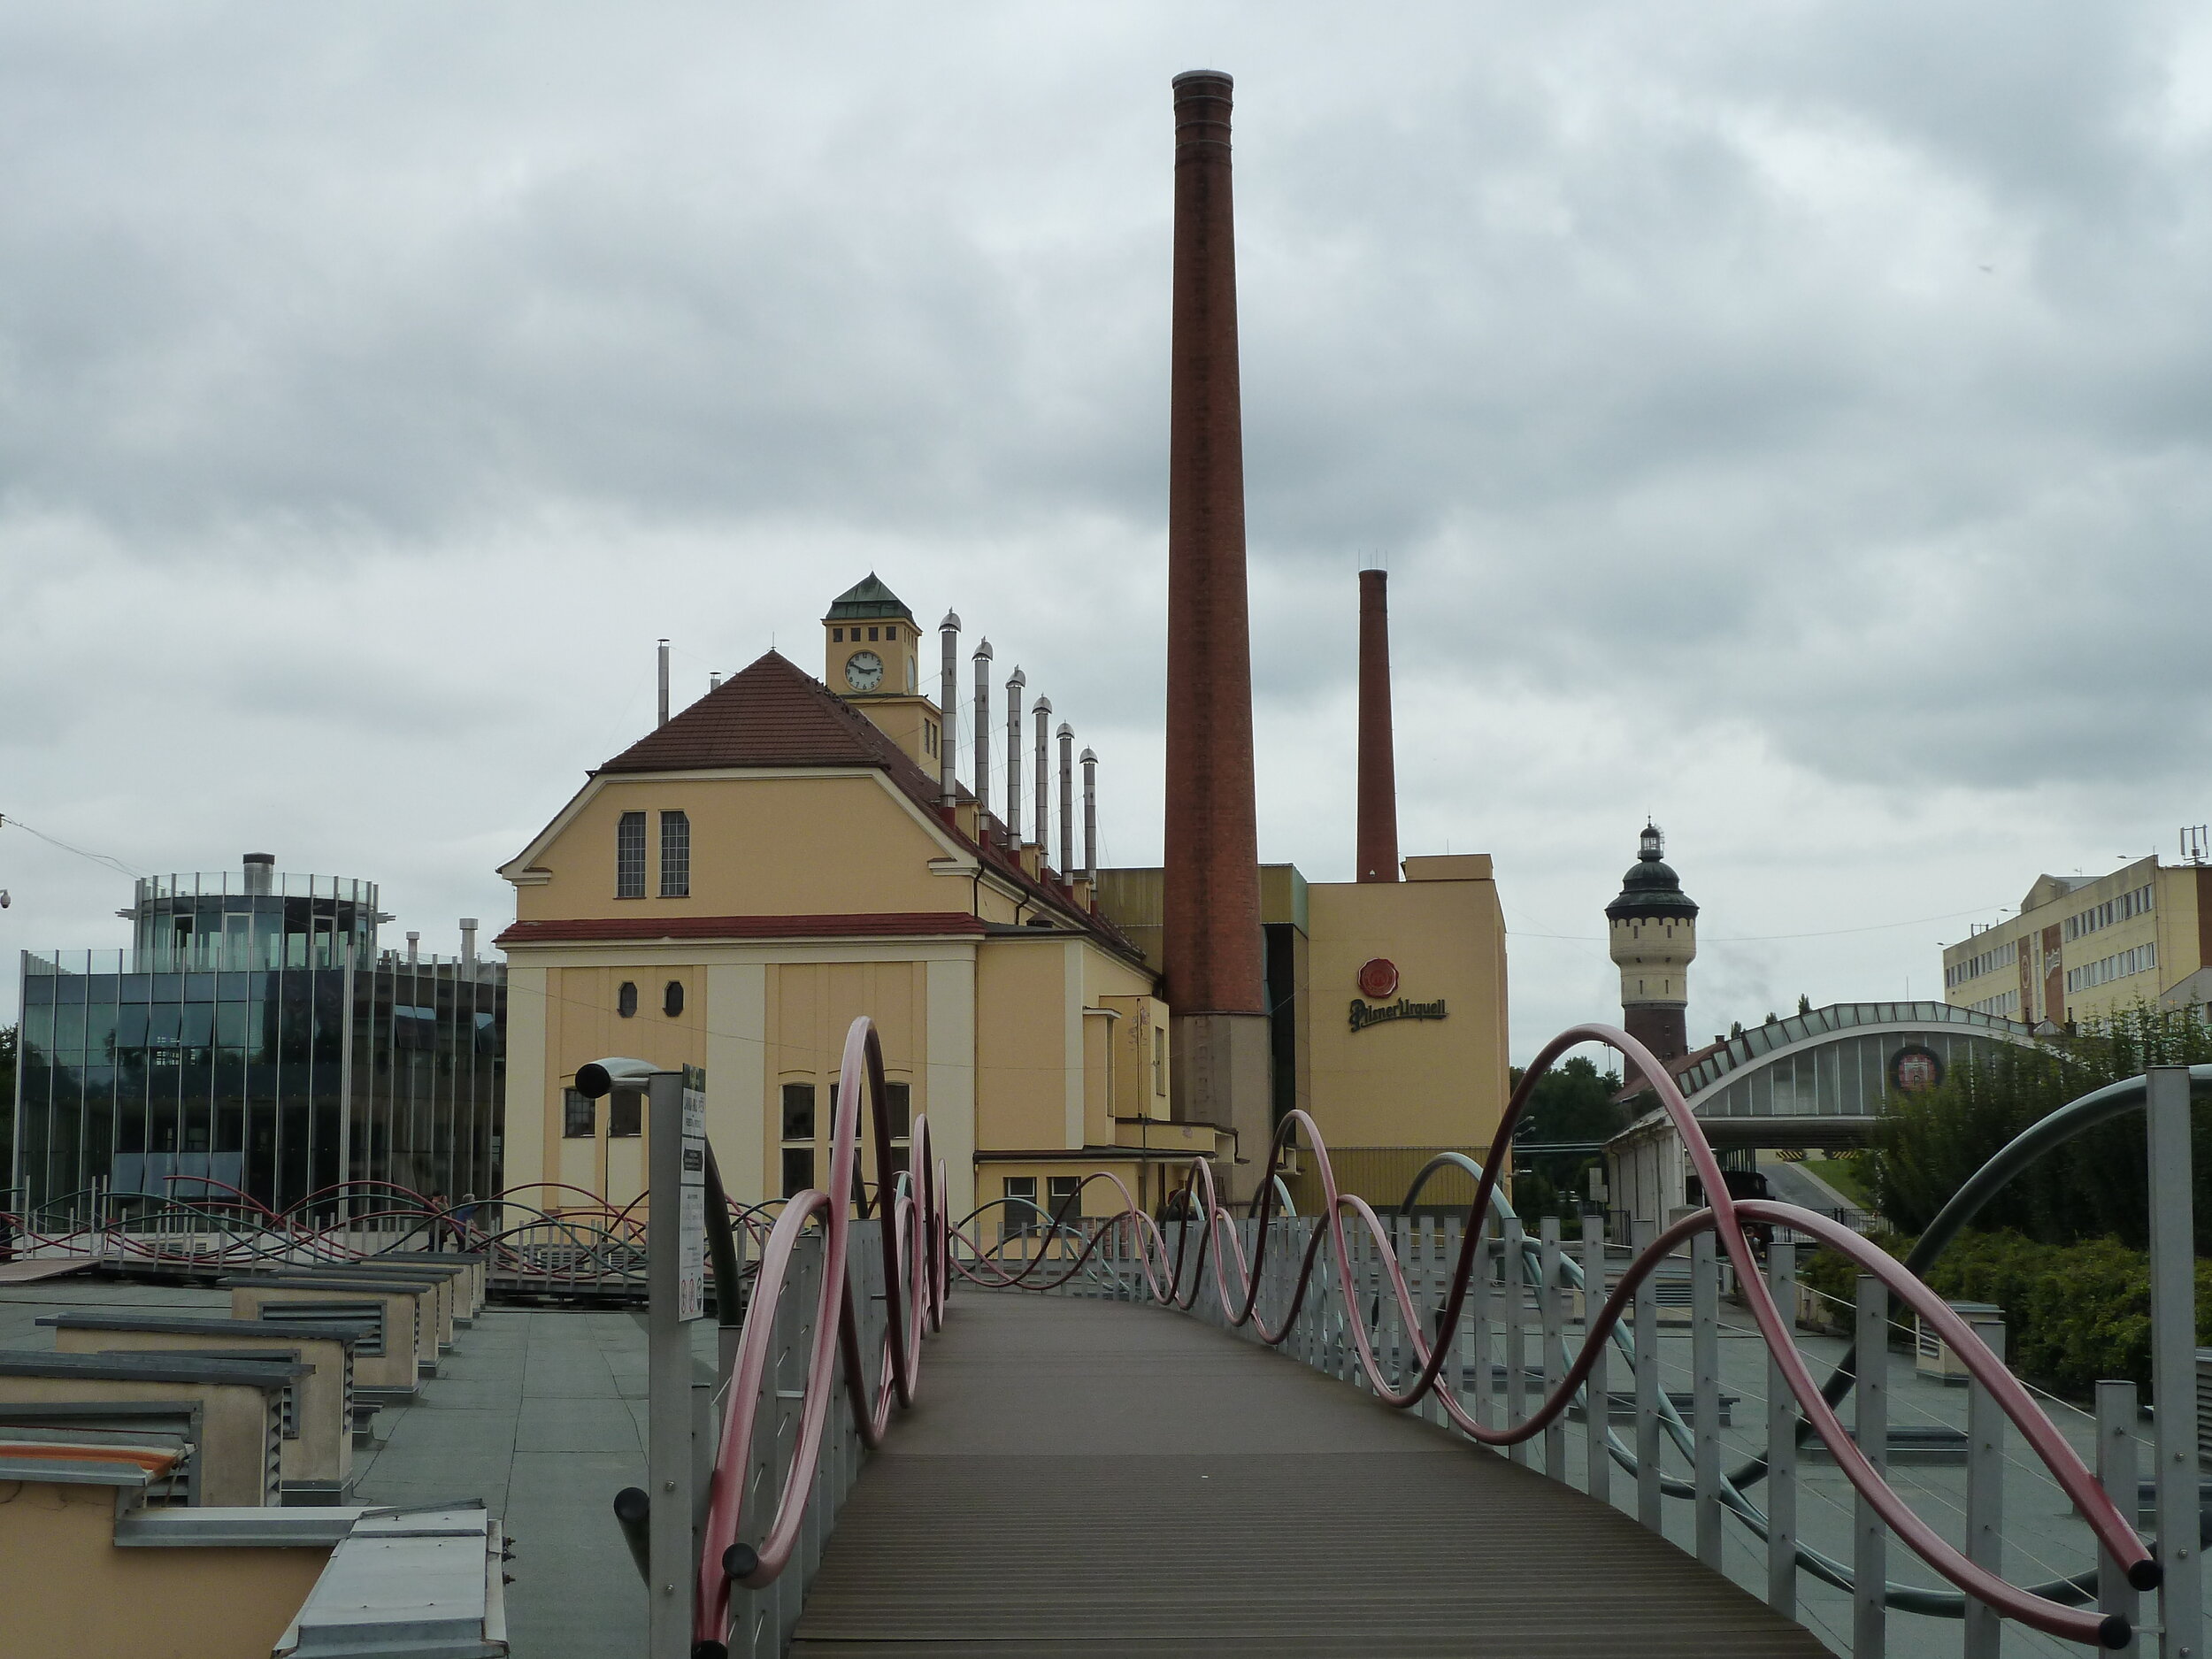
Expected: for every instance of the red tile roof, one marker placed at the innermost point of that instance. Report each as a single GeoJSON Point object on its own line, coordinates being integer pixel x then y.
{"type": "Point", "coordinates": [773, 713]}
{"type": "Point", "coordinates": [895, 923]}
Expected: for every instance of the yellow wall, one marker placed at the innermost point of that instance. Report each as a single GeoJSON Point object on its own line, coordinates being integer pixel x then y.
{"type": "Point", "coordinates": [761, 845]}
{"type": "Point", "coordinates": [67, 1590]}
{"type": "Point", "coordinates": [1423, 1083]}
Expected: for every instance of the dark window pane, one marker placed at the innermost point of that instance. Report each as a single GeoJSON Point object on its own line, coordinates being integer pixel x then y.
{"type": "Point", "coordinates": [672, 999]}
{"type": "Point", "coordinates": [625, 1000]}
{"type": "Point", "coordinates": [626, 1113]}
{"type": "Point", "coordinates": [798, 1111]}
{"type": "Point", "coordinates": [1064, 1189]}
{"type": "Point", "coordinates": [897, 1102]}
{"type": "Point", "coordinates": [629, 856]}
{"type": "Point", "coordinates": [1021, 1205]}
{"type": "Point", "coordinates": [675, 855]}
{"type": "Point", "coordinates": [798, 1169]}
{"type": "Point", "coordinates": [578, 1115]}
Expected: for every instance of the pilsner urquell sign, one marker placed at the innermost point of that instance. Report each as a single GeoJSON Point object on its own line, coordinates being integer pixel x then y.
{"type": "Point", "coordinates": [1379, 978]}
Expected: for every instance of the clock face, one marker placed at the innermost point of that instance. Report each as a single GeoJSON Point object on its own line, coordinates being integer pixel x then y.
{"type": "Point", "coordinates": [863, 670]}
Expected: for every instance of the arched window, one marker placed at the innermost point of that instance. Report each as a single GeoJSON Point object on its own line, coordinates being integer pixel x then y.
{"type": "Point", "coordinates": [625, 1000]}
{"type": "Point", "coordinates": [672, 999]}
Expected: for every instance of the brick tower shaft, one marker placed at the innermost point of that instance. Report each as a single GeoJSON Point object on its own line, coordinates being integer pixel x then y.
{"type": "Point", "coordinates": [1211, 884]}
{"type": "Point", "coordinates": [1377, 849]}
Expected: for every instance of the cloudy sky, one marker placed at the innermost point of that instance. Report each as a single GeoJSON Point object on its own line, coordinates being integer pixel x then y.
{"type": "Point", "coordinates": [1786, 420]}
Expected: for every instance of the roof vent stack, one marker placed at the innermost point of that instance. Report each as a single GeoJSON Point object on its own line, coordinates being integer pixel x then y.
{"type": "Point", "coordinates": [260, 872]}
{"type": "Point", "coordinates": [1015, 683]}
{"type": "Point", "coordinates": [663, 719]}
{"type": "Point", "coordinates": [468, 940]}
{"type": "Point", "coordinates": [1066, 735]}
{"type": "Point", "coordinates": [1090, 818]}
{"type": "Point", "coordinates": [414, 948]}
{"type": "Point", "coordinates": [981, 761]}
{"type": "Point", "coordinates": [947, 688]}
{"type": "Point", "coordinates": [1043, 784]}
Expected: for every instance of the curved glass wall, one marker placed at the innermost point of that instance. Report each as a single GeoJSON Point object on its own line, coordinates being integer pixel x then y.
{"type": "Point", "coordinates": [257, 1039]}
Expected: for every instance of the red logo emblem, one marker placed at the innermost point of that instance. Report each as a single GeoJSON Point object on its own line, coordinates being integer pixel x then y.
{"type": "Point", "coordinates": [1379, 978]}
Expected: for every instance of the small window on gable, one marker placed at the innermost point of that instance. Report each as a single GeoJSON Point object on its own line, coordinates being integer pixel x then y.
{"type": "Point", "coordinates": [625, 1000]}
{"type": "Point", "coordinates": [672, 999]}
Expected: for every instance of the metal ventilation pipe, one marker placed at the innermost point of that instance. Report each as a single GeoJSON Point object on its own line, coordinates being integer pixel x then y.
{"type": "Point", "coordinates": [1066, 735]}
{"type": "Point", "coordinates": [947, 688]}
{"type": "Point", "coordinates": [260, 872]}
{"type": "Point", "coordinates": [468, 940]}
{"type": "Point", "coordinates": [1090, 818]}
{"type": "Point", "coordinates": [414, 948]}
{"type": "Point", "coordinates": [1043, 712]}
{"type": "Point", "coordinates": [714, 682]}
{"type": "Point", "coordinates": [981, 761]}
{"type": "Point", "coordinates": [1015, 684]}
{"type": "Point", "coordinates": [663, 719]}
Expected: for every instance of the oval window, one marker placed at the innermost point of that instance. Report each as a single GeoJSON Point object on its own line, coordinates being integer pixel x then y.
{"type": "Point", "coordinates": [672, 999]}
{"type": "Point", "coordinates": [625, 1000]}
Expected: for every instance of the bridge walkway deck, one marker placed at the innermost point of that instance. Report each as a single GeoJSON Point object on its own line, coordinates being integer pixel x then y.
{"type": "Point", "coordinates": [1090, 1478]}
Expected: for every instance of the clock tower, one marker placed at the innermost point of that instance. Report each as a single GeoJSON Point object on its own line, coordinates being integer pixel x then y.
{"type": "Point", "coordinates": [872, 658]}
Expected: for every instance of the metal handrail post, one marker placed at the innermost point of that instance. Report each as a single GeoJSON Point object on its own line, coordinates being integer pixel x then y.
{"type": "Point", "coordinates": [2117, 1414]}
{"type": "Point", "coordinates": [1870, 1551]}
{"type": "Point", "coordinates": [1597, 1389]}
{"type": "Point", "coordinates": [1705, 1394]}
{"type": "Point", "coordinates": [1781, 1445]}
{"type": "Point", "coordinates": [2174, 1360]}
{"type": "Point", "coordinates": [1648, 1497]}
{"type": "Point", "coordinates": [1984, 1497]}
{"type": "Point", "coordinates": [1554, 1342]}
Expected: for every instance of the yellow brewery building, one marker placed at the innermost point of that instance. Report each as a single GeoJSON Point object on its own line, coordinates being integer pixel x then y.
{"type": "Point", "coordinates": [787, 853]}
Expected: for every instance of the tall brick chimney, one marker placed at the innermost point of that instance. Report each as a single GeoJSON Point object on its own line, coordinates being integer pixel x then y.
{"type": "Point", "coordinates": [1378, 851]}
{"type": "Point", "coordinates": [1211, 897]}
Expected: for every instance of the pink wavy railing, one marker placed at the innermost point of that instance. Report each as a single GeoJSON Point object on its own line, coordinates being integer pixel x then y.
{"type": "Point", "coordinates": [1237, 1283]}
{"type": "Point", "coordinates": [913, 1234]}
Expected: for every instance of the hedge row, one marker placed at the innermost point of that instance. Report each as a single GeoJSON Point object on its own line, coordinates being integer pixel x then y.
{"type": "Point", "coordinates": [2075, 1314]}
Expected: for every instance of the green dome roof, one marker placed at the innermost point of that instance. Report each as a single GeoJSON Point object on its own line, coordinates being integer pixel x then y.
{"type": "Point", "coordinates": [1651, 888]}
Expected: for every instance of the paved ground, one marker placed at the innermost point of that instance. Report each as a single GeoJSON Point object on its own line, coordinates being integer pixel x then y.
{"type": "Point", "coordinates": [1087, 1478]}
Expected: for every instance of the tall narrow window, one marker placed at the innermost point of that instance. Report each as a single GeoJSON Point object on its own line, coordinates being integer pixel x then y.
{"type": "Point", "coordinates": [578, 1116]}
{"type": "Point", "coordinates": [898, 1106]}
{"type": "Point", "coordinates": [626, 1113]}
{"type": "Point", "coordinates": [675, 855]}
{"type": "Point", "coordinates": [625, 999]}
{"type": "Point", "coordinates": [798, 1111]}
{"type": "Point", "coordinates": [629, 856]}
{"type": "Point", "coordinates": [672, 999]}
{"type": "Point", "coordinates": [798, 1169]}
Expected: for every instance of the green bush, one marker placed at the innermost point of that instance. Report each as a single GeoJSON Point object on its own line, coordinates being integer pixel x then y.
{"type": "Point", "coordinates": [2075, 1314]}
{"type": "Point", "coordinates": [1924, 1146]}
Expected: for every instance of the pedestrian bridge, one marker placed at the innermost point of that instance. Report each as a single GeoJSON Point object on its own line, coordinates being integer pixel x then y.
{"type": "Point", "coordinates": [1101, 1478]}
{"type": "Point", "coordinates": [1247, 1431]}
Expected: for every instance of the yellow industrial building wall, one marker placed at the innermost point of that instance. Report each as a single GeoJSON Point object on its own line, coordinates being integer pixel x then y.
{"type": "Point", "coordinates": [1410, 1083]}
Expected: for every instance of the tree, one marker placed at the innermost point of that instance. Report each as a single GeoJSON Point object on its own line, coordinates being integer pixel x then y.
{"type": "Point", "coordinates": [1572, 1103]}
{"type": "Point", "coordinates": [1924, 1146]}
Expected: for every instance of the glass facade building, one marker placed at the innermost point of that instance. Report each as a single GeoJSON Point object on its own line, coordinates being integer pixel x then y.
{"type": "Point", "coordinates": [257, 1035]}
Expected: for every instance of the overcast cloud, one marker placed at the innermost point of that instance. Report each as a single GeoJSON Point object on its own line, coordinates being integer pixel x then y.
{"type": "Point", "coordinates": [1788, 420]}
